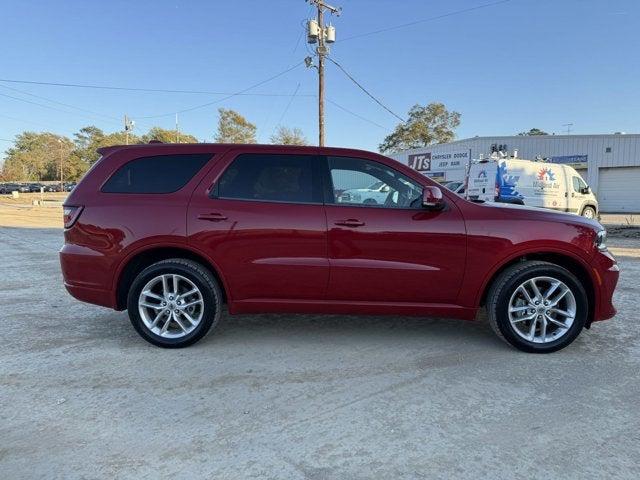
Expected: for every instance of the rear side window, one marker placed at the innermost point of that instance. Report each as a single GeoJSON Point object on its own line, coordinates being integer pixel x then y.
{"type": "Point", "coordinates": [157, 174]}
{"type": "Point", "coordinates": [271, 177]}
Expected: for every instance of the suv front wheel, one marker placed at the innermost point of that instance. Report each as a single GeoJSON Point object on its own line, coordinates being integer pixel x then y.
{"type": "Point", "coordinates": [537, 307]}
{"type": "Point", "coordinates": [174, 303]}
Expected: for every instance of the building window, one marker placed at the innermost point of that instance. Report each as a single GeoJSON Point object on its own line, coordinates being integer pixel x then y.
{"type": "Point", "coordinates": [607, 150]}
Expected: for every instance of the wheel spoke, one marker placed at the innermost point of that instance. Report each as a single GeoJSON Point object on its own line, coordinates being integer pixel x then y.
{"type": "Point", "coordinates": [150, 294]}
{"type": "Point", "coordinates": [177, 320]}
{"type": "Point", "coordinates": [532, 328]}
{"type": "Point", "coordinates": [150, 305]}
{"type": "Point", "coordinates": [165, 285]}
{"type": "Point", "coordinates": [189, 318]}
{"type": "Point", "coordinates": [186, 294]}
{"type": "Point", "coordinates": [190, 304]}
{"type": "Point", "coordinates": [175, 284]}
{"type": "Point", "coordinates": [564, 313]}
{"type": "Point", "coordinates": [156, 320]}
{"type": "Point", "coordinates": [519, 309]}
{"type": "Point", "coordinates": [523, 319]}
{"type": "Point", "coordinates": [522, 289]}
{"type": "Point", "coordinates": [554, 286]}
{"type": "Point", "coordinates": [534, 288]}
{"type": "Point", "coordinates": [556, 322]}
{"type": "Point", "coordinates": [165, 327]}
{"type": "Point", "coordinates": [560, 296]}
{"type": "Point", "coordinates": [543, 329]}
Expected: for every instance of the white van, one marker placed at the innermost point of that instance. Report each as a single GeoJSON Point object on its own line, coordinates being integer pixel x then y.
{"type": "Point", "coordinates": [535, 184]}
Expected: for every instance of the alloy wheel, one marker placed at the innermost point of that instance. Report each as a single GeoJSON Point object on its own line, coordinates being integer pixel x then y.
{"type": "Point", "coordinates": [171, 306]}
{"type": "Point", "coordinates": [542, 309]}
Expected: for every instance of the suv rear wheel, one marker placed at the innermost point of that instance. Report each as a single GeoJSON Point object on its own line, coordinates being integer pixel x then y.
{"type": "Point", "coordinates": [174, 303]}
{"type": "Point", "coordinates": [537, 307]}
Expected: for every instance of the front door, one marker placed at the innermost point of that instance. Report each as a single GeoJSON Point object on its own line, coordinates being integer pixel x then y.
{"type": "Point", "coordinates": [577, 195]}
{"type": "Point", "coordinates": [259, 217]}
{"type": "Point", "coordinates": [383, 245]}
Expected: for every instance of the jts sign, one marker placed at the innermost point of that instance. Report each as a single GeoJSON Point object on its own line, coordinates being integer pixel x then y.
{"type": "Point", "coordinates": [426, 162]}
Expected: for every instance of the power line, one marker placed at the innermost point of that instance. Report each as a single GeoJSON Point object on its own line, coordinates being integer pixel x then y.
{"type": "Point", "coordinates": [42, 105]}
{"type": "Point", "coordinates": [286, 109]}
{"type": "Point", "coordinates": [227, 97]}
{"type": "Point", "coordinates": [150, 90]}
{"type": "Point", "coordinates": [430, 19]}
{"type": "Point", "coordinates": [24, 121]}
{"type": "Point", "coordinates": [365, 90]}
{"type": "Point", "coordinates": [357, 115]}
{"type": "Point", "coordinates": [5, 140]}
{"type": "Point", "coordinates": [60, 103]}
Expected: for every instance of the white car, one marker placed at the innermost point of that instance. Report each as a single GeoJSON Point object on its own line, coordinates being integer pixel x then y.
{"type": "Point", "coordinates": [456, 186]}
{"type": "Point", "coordinates": [374, 194]}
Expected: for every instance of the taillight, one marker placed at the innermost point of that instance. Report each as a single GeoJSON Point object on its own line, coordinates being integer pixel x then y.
{"type": "Point", "coordinates": [70, 214]}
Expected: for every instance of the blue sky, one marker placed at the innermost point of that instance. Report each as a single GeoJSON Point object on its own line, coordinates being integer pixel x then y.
{"type": "Point", "coordinates": [505, 68]}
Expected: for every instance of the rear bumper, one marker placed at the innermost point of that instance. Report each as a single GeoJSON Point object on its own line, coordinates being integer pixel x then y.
{"type": "Point", "coordinates": [606, 271]}
{"type": "Point", "coordinates": [83, 276]}
{"type": "Point", "coordinates": [90, 295]}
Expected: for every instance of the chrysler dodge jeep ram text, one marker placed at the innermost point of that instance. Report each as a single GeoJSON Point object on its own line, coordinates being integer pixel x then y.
{"type": "Point", "coordinates": [172, 232]}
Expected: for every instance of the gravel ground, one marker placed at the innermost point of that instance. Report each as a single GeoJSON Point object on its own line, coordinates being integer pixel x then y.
{"type": "Point", "coordinates": [304, 397]}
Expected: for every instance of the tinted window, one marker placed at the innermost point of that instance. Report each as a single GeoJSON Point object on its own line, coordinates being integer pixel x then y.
{"type": "Point", "coordinates": [271, 177]}
{"type": "Point", "coordinates": [363, 182]}
{"type": "Point", "coordinates": [157, 174]}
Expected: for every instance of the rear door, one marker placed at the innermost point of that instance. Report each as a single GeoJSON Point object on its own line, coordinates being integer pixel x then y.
{"type": "Point", "coordinates": [259, 216]}
{"type": "Point", "coordinates": [395, 250]}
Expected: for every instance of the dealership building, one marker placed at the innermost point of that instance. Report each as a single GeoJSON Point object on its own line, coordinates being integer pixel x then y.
{"type": "Point", "coordinates": [610, 164]}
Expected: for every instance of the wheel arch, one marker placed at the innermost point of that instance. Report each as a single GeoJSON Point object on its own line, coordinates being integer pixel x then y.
{"type": "Point", "coordinates": [571, 263]}
{"type": "Point", "coordinates": [141, 259]}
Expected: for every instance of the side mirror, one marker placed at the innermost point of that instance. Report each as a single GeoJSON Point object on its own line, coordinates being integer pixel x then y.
{"type": "Point", "coordinates": [585, 191]}
{"type": "Point", "coordinates": [432, 198]}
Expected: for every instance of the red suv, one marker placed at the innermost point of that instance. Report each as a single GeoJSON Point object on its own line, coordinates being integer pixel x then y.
{"type": "Point", "coordinates": [171, 232]}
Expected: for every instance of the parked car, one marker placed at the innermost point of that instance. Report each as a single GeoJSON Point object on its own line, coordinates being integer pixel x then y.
{"type": "Point", "coordinates": [171, 232]}
{"type": "Point", "coordinates": [455, 186]}
{"type": "Point", "coordinates": [35, 187]}
{"type": "Point", "coordinates": [374, 194]}
{"type": "Point", "coordinates": [9, 187]}
{"type": "Point", "coordinates": [536, 184]}
{"type": "Point", "coordinates": [53, 187]}
{"type": "Point", "coordinates": [69, 186]}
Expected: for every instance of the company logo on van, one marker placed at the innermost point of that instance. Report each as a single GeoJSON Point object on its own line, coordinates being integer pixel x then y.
{"type": "Point", "coordinates": [482, 174]}
{"type": "Point", "coordinates": [545, 174]}
{"type": "Point", "coordinates": [546, 179]}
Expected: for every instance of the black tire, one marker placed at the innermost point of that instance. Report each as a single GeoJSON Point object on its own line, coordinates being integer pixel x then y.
{"type": "Point", "coordinates": [505, 285]}
{"type": "Point", "coordinates": [589, 210]}
{"type": "Point", "coordinates": [196, 273]}
{"type": "Point", "coordinates": [370, 201]}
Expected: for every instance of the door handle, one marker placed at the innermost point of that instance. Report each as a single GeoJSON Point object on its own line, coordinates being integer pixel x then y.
{"type": "Point", "coordinates": [212, 217]}
{"type": "Point", "coordinates": [350, 222]}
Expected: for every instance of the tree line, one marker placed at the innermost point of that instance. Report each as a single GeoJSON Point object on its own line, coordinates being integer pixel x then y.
{"type": "Point", "coordinates": [37, 156]}
{"type": "Point", "coordinates": [40, 156]}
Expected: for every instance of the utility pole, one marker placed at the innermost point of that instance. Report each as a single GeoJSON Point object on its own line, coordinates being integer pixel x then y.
{"type": "Point", "coordinates": [177, 130]}
{"type": "Point", "coordinates": [568, 125]}
{"type": "Point", "coordinates": [318, 33]}
{"type": "Point", "coordinates": [61, 166]}
{"type": "Point", "coordinates": [128, 127]}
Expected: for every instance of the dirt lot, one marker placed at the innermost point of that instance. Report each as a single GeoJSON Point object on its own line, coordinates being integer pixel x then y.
{"type": "Point", "coordinates": [304, 397]}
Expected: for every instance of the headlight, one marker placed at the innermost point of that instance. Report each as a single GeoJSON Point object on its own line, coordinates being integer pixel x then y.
{"type": "Point", "coordinates": [601, 240]}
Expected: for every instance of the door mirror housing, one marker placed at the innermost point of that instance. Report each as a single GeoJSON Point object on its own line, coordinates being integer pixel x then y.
{"type": "Point", "coordinates": [432, 198]}
{"type": "Point", "coordinates": [585, 191]}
